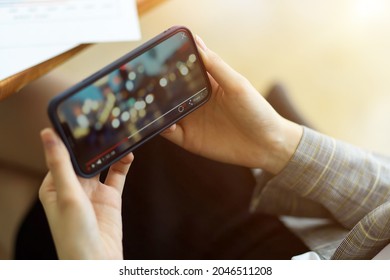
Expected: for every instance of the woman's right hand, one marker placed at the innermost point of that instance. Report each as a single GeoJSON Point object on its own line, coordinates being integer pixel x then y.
{"type": "Point", "coordinates": [84, 215]}
{"type": "Point", "coordinates": [236, 125]}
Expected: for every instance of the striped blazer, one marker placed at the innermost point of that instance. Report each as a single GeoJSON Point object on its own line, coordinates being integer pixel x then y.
{"type": "Point", "coordinates": [329, 178]}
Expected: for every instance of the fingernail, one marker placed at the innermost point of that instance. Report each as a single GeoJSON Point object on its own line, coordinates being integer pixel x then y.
{"type": "Point", "coordinates": [48, 138]}
{"type": "Point", "coordinates": [200, 43]}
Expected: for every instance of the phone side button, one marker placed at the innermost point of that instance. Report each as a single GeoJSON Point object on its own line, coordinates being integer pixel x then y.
{"type": "Point", "coordinates": [180, 109]}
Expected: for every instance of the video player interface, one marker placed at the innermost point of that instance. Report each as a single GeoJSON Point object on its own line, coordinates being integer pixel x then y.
{"type": "Point", "coordinates": [109, 116]}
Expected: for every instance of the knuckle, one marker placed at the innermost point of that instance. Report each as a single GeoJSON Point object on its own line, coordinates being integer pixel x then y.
{"type": "Point", "coordinates": [242, 84]}
{"type": "Point", "coordinates": [42, 195]}
{"type": "Point", "coordinates": [122, 171]}
{"type": "Point", "coordinates": [68, 202]}
{"type": "Point", "coordinates": [56, 160]}
{"type": "Point", "coordinates": [214, 60]}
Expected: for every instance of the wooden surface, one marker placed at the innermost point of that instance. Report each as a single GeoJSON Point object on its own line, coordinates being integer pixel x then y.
{"type": "Point", "coordinates": [16, 82]}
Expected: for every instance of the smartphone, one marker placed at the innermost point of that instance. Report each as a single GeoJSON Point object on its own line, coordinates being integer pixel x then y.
{"type": "Point", "coordinates": [131, 100]}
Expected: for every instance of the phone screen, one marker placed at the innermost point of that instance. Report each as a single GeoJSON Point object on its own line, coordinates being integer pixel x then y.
{"type": "Point", "coordinates": [105, 118]}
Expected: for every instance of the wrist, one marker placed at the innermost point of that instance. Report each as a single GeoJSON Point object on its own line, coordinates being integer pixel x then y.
{"type": "Point", "coordinates": [282, 146]}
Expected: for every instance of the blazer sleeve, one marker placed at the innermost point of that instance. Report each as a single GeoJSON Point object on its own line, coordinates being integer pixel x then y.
{"type": "Point", "coordinates": [327, 177]}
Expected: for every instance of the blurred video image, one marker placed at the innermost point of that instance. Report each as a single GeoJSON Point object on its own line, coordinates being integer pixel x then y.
{"type": "Point", "coordinates": [130, 103]}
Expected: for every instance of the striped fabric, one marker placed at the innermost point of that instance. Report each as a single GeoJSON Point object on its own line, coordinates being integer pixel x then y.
{"type": "Point", "coordinates": [329, 178]}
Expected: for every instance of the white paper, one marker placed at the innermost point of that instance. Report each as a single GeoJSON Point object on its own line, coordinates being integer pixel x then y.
{"type": "Point", "coordinates": [33, 31]}
{"type": "Point", "coordinates": [308, 256]}
{"type": "Point", "coordinates": [18, 59]}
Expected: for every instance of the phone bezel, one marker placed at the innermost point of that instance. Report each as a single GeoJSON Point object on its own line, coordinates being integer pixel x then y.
{"type": "Point", "coordinates": [56, 101]}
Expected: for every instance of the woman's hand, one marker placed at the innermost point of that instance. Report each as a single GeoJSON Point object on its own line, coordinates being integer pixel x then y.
{"type": "Point", "coordinates": [84, 214]}
{"type": "Point", "coordinates": [237, 125]}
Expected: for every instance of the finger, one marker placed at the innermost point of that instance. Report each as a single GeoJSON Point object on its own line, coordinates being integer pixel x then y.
{"type": "Point", "coordinates": [224, 75]}
{"type": "Point", "coordinates": [59, 164]}
{"type": "Point", "coordinates": [116, 176]}
{"type": "Point", "coordinates": [170, 129]}
{"type": "Point", "coordinates": [175, 135]}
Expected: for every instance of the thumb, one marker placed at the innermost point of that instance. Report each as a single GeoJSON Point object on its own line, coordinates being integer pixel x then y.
{"type": "Point", "coordinates": [223, 74]}
{"type": "Point", "coordinates": [58, 162]}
